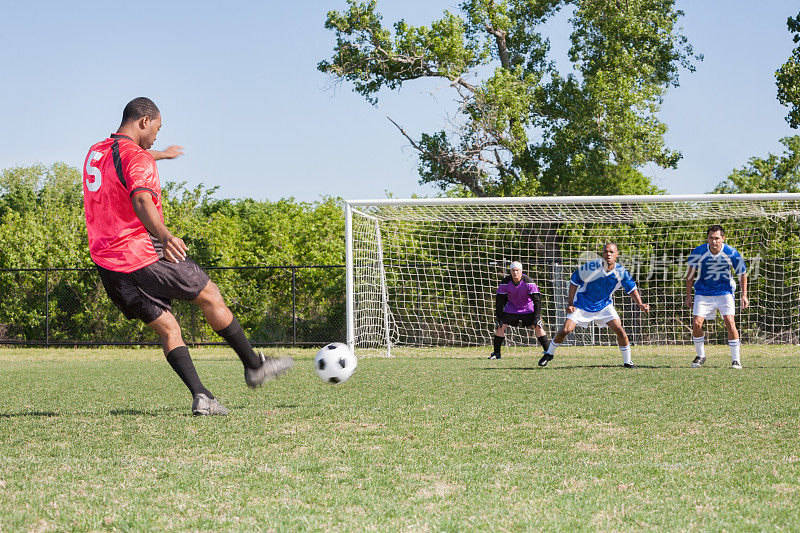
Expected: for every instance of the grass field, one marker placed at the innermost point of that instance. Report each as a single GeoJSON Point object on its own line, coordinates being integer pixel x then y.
{"type": "Point", "coordinates": [104, 440]}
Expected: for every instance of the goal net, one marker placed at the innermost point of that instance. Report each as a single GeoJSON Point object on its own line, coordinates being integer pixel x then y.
{"type": "Point", "coordinates": [424, 273]}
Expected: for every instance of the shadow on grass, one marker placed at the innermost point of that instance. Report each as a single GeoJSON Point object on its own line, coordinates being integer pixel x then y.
{"type": "Point", "coordinates": [571, 367]}
{"type": "Point", "coordinates": [150, 412]}
{"type": "Point", "coordinates": [31, 414]}
{"type": "Point", "coordinates": [112, 412]}
{"type": "Point", "coordinates": [667, 367]}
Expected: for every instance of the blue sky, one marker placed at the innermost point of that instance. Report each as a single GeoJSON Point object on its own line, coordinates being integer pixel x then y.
{"type": "Point", "coordinates": [238, 88]}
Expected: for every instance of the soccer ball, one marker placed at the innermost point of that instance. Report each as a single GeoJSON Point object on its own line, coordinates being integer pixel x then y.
{"type": "Point", "coordinates": [335, 363]}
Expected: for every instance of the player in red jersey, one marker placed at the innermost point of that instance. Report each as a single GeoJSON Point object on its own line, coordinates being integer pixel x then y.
{"type": "Point", "coordinates": [142, 265]}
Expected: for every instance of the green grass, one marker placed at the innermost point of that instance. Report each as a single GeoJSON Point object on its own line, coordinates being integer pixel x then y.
{"type": "Point", "coordinates": [104, 440]}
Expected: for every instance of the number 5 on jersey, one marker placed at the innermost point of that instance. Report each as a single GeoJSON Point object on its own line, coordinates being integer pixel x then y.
{"type": "Point", "coordinates": [93, 171]}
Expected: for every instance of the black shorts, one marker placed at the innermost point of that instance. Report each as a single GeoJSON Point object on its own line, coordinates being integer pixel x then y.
{"type": "Point", "coordinates": [148, 292]}
{"type": "Point", "coordinates": [527, 319]}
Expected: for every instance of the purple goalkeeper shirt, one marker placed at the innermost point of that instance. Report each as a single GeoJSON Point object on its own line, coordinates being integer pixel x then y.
{"type": "Point", "coordinates": [519, 296]}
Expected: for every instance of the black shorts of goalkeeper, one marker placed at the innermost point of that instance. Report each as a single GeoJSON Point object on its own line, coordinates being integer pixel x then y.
{"type": "Point", "coordinates": [527, 319]}
{"type": "Point", "coordinates": [148, 292]}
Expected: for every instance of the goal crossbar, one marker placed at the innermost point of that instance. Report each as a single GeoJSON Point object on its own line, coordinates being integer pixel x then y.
{"type": "Point", "coordinates": [537, 200]}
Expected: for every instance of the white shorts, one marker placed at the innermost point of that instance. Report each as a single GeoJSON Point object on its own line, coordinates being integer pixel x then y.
{"type": "Point", "coordinates": [601, 317]}
{"type": "Point", "coordinates": [707, 306]}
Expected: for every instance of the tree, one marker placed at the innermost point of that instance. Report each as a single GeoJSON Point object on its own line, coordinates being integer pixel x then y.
{"type": "Point", "coordinates": [42, 225]}
{"type": "Point", "coordinates": [771, 174]}
{"type": "Point", "coordinates": [523, 126]}
{"type": "Point", "coordinates": [41, 217]}
{"type": "Point", "coordinates": [788, 77]}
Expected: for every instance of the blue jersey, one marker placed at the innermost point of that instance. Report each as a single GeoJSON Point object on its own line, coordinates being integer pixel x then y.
{"type": "Point", "coordinates": [596, 285]}
{"type": "Point", "coordinates": [713, 276]}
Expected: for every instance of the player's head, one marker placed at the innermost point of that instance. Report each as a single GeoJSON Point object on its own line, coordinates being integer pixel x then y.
{"type": "Point", "coordinates": [516, 270]}
{"type": "Point", "coordinates": [716, 236]}
{"type": "Point", "coordinates": [142, 119]}
{"type": "Point", "coordinates": [610, 252]}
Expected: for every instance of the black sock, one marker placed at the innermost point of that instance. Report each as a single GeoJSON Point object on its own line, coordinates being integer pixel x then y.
{"type": "Point", "coordinates": [181, 362]}
{"type": "Point", "coordinates": [544, 341]}
{"type": "Point", "coordinates": [498, 342]}
{"type": "Point", "coordinates": [234, 336]}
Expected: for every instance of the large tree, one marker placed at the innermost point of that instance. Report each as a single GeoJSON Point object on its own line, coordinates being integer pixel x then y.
{"type": "Point", "coordinates": [524, 126]}
{"type": "Point", "coordinates": [774, 173]}
{"type": "Point", "coordinates": [788, 77]}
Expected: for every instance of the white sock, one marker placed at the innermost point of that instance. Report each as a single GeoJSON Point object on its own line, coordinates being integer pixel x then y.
{"type": "Point", "coordinates": [552, 348]}
{"type": "Point", "coordinates": [699, 345]}
{"type": "Point", "coordinates": [626, 353]}
{"type": "Point", "coordinates": [734, 344]}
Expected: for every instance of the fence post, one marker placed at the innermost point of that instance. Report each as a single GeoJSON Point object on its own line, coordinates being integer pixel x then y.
{"type": "Point", "coordinates": [47, 307]}
{"type": "Point", "coordinates": [294, 307]}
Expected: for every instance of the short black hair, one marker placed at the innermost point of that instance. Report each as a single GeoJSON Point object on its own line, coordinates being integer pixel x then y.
{"type": "Point", "coordinates": [714, 228]}
{"type": "Point", "coordinates": [138, 108]}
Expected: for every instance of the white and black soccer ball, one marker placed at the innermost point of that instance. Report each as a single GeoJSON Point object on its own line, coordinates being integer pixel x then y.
{"type": "Point", "coordinates": [335, 363]}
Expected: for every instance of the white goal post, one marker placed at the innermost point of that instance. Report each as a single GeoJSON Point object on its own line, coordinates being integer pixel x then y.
{"type": "Point", "coordinates": [424, 272]}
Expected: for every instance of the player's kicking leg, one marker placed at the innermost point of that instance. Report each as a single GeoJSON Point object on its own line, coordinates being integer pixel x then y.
{"type": "Point", "coordinates": [549, 353]}
{"type": "Point", "coordinates": [167, 328]}
{"type": "Point", "coordinates": [622, 341]}
{"type": "Point", "coordinates": [257, 367]}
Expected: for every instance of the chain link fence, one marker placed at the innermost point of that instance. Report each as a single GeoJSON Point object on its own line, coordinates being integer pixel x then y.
{"type": "Point", "coordinates": [294, 305]}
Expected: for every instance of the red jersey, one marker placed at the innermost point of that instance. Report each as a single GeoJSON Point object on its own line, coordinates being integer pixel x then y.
{"type": "Point", "coordinates": [115, 169]}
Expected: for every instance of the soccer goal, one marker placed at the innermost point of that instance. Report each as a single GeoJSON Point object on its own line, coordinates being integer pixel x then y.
{"type": "Point", "coordinates": [422, 273]}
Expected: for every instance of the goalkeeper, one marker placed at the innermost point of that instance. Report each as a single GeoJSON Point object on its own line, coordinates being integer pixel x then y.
{"type": "Point", "coordinates": [517, 301]}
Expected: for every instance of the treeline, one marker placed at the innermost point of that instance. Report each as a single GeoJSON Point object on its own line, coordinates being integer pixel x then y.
{"type": "Point", "coordinates": [42, 226]}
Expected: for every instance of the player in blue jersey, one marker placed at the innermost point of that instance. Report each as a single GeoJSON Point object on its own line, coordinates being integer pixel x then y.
{"type": "Point", "coordinates": [709, 273]}
{"type": "Point", "coordinates": [589, 300]}
{"type": "Point", "coordinates": [517, 301]}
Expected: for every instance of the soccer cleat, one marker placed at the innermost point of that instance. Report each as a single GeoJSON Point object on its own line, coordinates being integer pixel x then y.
{"type": "Point", "coordinates": [271, 368]}
{"type": "Point", "coordinates": [737, 365]}
{"type": "Point", "coordinates": [495, 355]}
{"type": "Point", "coordinates": [203, 405]}
{"type": "Point", "coordinates": [698, 362]}
{"type": "Point", "coordinates": [629, 365]}
{"type": "Point", "coordinates": [546, 358]}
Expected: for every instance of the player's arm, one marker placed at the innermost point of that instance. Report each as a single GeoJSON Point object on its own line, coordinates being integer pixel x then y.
{"type": "Point", "coordinates": [536, 298]}
{"type": "Point", "coordinates": [743, 283]}
{"type": "Point", "coordinates": [500, 302]}
{"type": "Point", "coordinates": [740, 268]}
{"type": "Point", "coordinates": [690, 275]}
{"type": "Point", "coordinates": [573, 289]}
{"type": "Point", "coordinates": [637, 298]}
{"type": "Point", "coordinates": [170, 153]}
{"type": "Point", "coordinates": [145, 209]}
